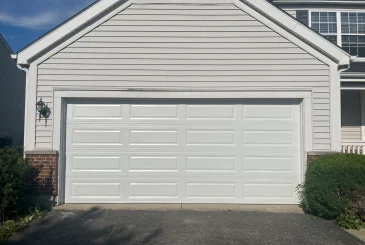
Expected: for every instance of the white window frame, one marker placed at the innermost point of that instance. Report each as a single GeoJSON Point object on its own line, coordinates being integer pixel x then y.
{"type": "Point", "coordinates": [339, 26]}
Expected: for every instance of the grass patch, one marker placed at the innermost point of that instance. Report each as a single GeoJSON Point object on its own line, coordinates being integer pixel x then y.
{"type": "Point", "coordinates": [10, 227]}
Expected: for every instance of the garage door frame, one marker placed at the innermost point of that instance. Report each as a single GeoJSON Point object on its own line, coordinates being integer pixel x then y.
{"type": "Point", "coordinates": [62, 97]}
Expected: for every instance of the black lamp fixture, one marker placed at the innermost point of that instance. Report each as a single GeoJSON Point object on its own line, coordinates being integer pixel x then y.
{"type": "Point", "coordinates": [43, 109]}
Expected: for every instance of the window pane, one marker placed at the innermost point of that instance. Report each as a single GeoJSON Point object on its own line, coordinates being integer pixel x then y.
{"type": "Point", "coordinates": [332, 28]}
{"type": "Point", "coordinates": [332, 17]}
{"type": "Point", "coordinates": [315, 16]}
{"type": "Point", "coordinates": [302, 16]}
{"type": "Point", "coordinates": [323, 28]}
{"type": "Point", "coordinates": [361, 40]}
{"type": "Point", "coordinates": [345, 17]}
{"type": "Point", "coordinates": [353, 18]}
{"type": "Point", "coordinates": [353, 28]}
{"type": "Point", "coordinates": [332, 39]}
{"type": "Point", "coordinates": [324, 22]}
{"type": "Point", "coordinates": [361, 28]}
{"type": "Point", "coordinates": [315, 26]}
{"type": "Point", "coordinates": [361, 18]}
{"type": "Point", "coordinates": [323, 16]}
{"type": "Point", "coordinates": [345, 28]}
{"type": "Point", "coordinates": [361, 52]}
{"type": "Point", "coordinates": [355, 45]}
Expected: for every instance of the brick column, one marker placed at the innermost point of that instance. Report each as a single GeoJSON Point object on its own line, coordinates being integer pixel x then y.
{"type": "Point", "coordinates": [44, 175]}
{"type": "Point", "coordinates": [314, 155]}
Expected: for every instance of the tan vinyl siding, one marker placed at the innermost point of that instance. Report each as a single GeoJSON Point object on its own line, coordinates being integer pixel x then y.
{"type": "Point", "coordinates": [186, 45]}
{"type": "Point", "coordinates": [351, 116]}
{"type": "Point", "coordinates": [292, 12]}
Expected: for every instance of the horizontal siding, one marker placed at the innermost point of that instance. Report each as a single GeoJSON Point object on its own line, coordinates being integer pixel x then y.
{"type": "Point", "coordinates": [12, 97]}
{"type": "Point", "coordinates": [292, 12]}
{"type": "Point", "coordinates": [198, 44]}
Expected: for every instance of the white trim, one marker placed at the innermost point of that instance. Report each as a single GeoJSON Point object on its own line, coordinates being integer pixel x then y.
{"type": "Point", "coordinates": [26, 70]}
{"type": "Point", "coordinates": [339, 29]}
{"type": "Point", "coordinates": [60, 97]}
{"type": "Point", "coordinates": [353, 88]}
{"type": "Point", "coordinates": [31, 100]}
{"type": "Point", "coordinates": [276, 17]}
{"type": "Point", "coordinates": [335, 109]}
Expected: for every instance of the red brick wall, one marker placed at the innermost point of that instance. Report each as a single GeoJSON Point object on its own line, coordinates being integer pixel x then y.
{"type": "Point", "coordinates": [44, 173]}
{"type": "Point", "coordinates": [314, 155]}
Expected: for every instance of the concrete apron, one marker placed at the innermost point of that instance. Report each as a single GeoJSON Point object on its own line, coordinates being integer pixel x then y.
{"type": "Point", "coordinates": [359, 234]}
{"type": "Point", "coordinates": [195, 207]}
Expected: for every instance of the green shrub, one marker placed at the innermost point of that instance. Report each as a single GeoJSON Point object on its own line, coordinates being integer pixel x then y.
{"type": "Point", "coordinates": [10, 227]}
{"type": "Point", "coordinates": [349, 220]}
{"type": "Point", "coordinates": [15, 174]}
{"type": "Point", "coordinates": [330, 185]}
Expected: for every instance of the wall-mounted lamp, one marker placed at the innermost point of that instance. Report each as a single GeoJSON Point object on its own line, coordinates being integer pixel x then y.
{"type": "Point", "coordinates": [43, 110]}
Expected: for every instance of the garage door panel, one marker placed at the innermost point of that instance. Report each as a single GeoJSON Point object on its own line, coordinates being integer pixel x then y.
{"type": "Point", "coordinates": [86, 163]}
{"type": "Point", "coordinates": [270, 112]}
{"type": "Point", "coordinates": [90, 190]}
{"type": "Point", "coordinates": [210, 163]}
{"type": "Point", "coordinates": [153, 137]}
{"type": "Point", "coordinates": [152, 190]}
{"type": "Point", "coordinates": [90, 112]}
{"type": "Point", "coordinates": [270, 163]}
{"type": "Point", "coordinates": [96, 137]}
{"type": "Point", "coordinates": [210, 137]}
{"type": "Point", "coordinates": [211, 112]}
{"type": "Point", "coordinates": [189, 153]}
{"type": "Point", "coordinates": [154, 112]}
{"type": "Point", "coordinates": [153, 163]}
{"type": "Point", "coordinates": [211, 190]}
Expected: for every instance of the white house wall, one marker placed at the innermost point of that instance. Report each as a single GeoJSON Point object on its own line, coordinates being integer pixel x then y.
{"type": "Point", "coordinates": [184, 45]}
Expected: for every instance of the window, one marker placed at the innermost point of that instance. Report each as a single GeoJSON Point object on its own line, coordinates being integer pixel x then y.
{"type": "Point", "coordinates": [346, 29]}
{"type": "Point", "coordinates": [326, 24]}
{"type": "Point", "coordinates": [353, 33]}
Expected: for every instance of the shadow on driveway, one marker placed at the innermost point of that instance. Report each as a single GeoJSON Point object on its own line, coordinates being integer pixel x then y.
{"type": "Point", "coordinates": [88, 227]}
{"type": "Point", "coordinates": [110, 227]}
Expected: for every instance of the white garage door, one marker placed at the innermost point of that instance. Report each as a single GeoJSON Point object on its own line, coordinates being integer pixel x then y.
{"type": "Point", "coordinates": [183, 151]}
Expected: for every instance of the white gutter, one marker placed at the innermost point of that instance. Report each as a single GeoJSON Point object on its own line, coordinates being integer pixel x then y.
{"type": "Point", "coordinates": [26, 70]}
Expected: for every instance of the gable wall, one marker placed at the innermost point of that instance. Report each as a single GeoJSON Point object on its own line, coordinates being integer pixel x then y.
{"type": "Point", "coordinates": [185, 45]}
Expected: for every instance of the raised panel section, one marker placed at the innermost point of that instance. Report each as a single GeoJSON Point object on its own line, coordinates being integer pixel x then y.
{"type": "Point", "coordinates": [97, 137]}
{"type": "Point", "coordinates": [269, 190]}
{"type": "Point", "coordinates": [268, 163]}
{"type": "Point", "coordinates": [153, 190]}
{"type": "Point", "coordinates": [153, 112]}
{"type": "Point", "coordinates": [267, 111]}
{"type": "Point", "coordinates": [153, 137]}
{"type": "Point", "coordinates": [209, 164]}
{"type": "Point", "coordinates": [95, 190]}
{"type": "Point", "coordinates": [210, 190]}
{"type": "Point", "coordinates": [170, 151]}
{"type": "Point", "coordinates": [210, 111]}
{"type": "Point", "coordinates": [97, 111]}
{"type": "Point", "coordinates": [210, 137]}
{"type": "Point", "coordinates": [96, 164]}
{"type": "Point", "coordinates": [153, 164]}
{"type": "Point", "coordinates": [267, 137]}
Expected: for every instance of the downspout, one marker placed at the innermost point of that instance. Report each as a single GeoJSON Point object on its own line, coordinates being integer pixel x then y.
{"type": "Point", "coordinates": [26, 70]}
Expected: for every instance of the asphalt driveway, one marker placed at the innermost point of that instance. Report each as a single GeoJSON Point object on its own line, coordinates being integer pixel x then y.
{"type": "Point", "coordinates": [180, 227]}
